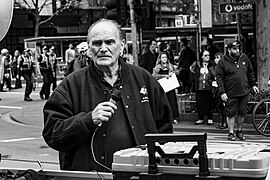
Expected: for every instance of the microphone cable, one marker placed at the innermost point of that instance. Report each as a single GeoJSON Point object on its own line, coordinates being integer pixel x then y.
{"type": "Point", "coordinates": [115, 96]}
{"type": "Point", "coordinates": [92, 150]}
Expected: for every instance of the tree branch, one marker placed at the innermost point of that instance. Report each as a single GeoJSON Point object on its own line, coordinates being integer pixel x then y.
{"type": "Point", "coordinates": [42, 6]}
{"type": "Point", "coordinates": [56, 13]}
{"type": "Point", "coordinates": [27, 5]}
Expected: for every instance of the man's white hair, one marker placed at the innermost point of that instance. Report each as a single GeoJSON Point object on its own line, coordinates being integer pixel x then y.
{"type": "Point", "coordinates": [105, 20]}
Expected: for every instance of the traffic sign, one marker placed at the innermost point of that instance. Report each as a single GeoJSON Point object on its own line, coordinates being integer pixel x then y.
{"type": "Point", "coordinates": [235, 7]}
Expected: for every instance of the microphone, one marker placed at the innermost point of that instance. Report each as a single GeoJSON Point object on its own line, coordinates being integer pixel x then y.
{"type": "Point", "coordinates": [116, 95]}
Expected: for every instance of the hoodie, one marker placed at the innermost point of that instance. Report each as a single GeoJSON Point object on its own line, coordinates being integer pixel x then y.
{"type": "Point", "coordinates": [235, 77]}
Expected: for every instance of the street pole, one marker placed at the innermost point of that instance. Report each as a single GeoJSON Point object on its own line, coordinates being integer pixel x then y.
{"type": "Point", "coordinates": [200, 26]}
{"type": "Point", "coordinates": [133, 33]}
{"type": "Point", "coordinates": [159, 11]}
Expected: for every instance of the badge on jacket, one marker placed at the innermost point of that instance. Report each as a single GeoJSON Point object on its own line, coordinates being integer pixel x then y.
{"type": "Point", "coordinates": [144, 94]}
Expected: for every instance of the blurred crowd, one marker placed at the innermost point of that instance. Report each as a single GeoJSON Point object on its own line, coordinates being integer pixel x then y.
{"type": "Point", "coordinates": [221, 81]}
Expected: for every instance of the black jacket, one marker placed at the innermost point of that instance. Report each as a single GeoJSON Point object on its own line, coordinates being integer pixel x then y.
{"type": "Point", "coordinates": [68, 125]}
{"type": "Point", "coordinates": [235, 77]}
{"type": "Point", "coordinates": [148, 61]}
{"type": "Point", "coordinates": [186, 58]}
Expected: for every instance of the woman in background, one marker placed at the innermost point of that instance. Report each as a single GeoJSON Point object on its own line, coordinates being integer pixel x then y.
{"type": "Point", "coordinates": [204, 76]}
{"type": "Point", "coordinates": [163, 69]}
{"type": "Point", "coordinates": [218, 103]}
{"type": "Point", "coordinates": [14, 69]}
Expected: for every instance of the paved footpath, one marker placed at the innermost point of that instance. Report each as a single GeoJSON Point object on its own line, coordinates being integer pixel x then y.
{"type": "Point", "coordinates": [34, 109]}
{"type": "Point", "coordinates": [184, 125]}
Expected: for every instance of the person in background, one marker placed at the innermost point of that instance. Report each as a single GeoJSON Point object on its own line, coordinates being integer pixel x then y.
{"type": "Point", "coordinates": [14, 69]}
{"type": "Point", "coordinates": [204, 76]}
{"type": "Point", "coordinates": [26, 69]}
{"type": "Point", "coordinates": [70, 53]}
{"type": "Point", "coordinates": [163, 69]}
{"type": "Point", "coordinates": [84, 125]}
{"type": "Point", "coordinates": [7, 69]}
{"type": "Point", "coordinates": [128, 57]}
{"type": "Point", "coordinates": [149, 58]}
{"type": "Point", "coordinates": [46, 70]}
{"type": "Point", "coordinates": [235, 77]}
{"type": "Point", "coordinates": [170, 54]}
{"type": "Point", "coordinates": [3, 64]}
{"type": "Point", "coordinates": [186, 57]}
{"type": "Point", "coordinates": [83, 59]}
{"type": "Point", "coordinates": [53, 65]}
{"type": "Point", "coordinates": [218, 103]}
{"type": "Point", "coordinates": [213, 49]}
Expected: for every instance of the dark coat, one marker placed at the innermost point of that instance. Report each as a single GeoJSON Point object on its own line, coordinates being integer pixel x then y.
{"type": "Point", "coordinates": [68, 125]}
{"type": "Point", "coordinates": [195, 68]}
{"type": "Point", "coordinates": [186, 58]}
{"type": "Point", "coordinates": [148, 61]}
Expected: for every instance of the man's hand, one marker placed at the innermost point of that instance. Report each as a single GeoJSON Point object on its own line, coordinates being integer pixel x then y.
{"type": "Point", "coordinates": [255, 89]}
{"type": "Point", "coordinates": [224, 97]}
{"type": "Point", "coordinates": [103, 112]}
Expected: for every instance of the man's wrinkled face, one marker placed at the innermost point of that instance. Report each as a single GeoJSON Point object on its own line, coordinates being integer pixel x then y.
{"type": "Point", "coordinates": [105, 44]}
{"type": "Point", "coordinates": [234, 51]}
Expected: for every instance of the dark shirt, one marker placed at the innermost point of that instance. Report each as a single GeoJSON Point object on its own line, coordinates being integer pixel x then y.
{"type": "Point", "coordinates": [212, 50]}
{"type": "Point", "coordinates": [235, 77]}
{"type": "Point", "coordinates": [148, 61]}
{"type": "Point", "coordinates": [170, 56]}
{"type": "Point", "coordinates": [203, 81]}
{"type": "Point", "coordinates": [115, 131]}
{"type": "Point", "coordinates": [186, 58]}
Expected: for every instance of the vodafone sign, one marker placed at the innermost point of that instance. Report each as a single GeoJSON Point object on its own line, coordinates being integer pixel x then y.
{"type": "Point", "coordinates": [235, 7]}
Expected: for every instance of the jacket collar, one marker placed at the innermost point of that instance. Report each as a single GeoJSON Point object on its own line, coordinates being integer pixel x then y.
{"type": "Point", "coordinates": [98, 75]}
{"type": "Point", "coordinates": [229, 58]}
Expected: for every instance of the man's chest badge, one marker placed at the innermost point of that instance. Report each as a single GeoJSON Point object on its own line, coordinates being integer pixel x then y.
{"type": "Point", "coordinates": [144, 95]}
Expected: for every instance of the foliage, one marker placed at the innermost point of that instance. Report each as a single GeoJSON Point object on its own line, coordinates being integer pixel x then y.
{"type": "Point", "coordinates": [182, 6]}
{"type": "Point", "coordinates": [186, 7]}
{"type": "Point", "coordinates": [35, 8]}
{"type": "Point", "coordinates": [254, 99]}
{"type": "Point", "coordinates": [261, 95]}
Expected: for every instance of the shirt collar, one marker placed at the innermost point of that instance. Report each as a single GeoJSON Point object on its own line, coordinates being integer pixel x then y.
{"type": "Point", "coordinates": [124, 71]}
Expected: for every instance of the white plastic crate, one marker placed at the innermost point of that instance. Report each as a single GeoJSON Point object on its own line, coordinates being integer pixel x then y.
{"type": "Point", "coordinates": [226, 160]}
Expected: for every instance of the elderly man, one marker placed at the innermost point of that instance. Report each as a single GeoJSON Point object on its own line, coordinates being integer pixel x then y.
{"type": "Point", "coordinates": [81, 120]}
